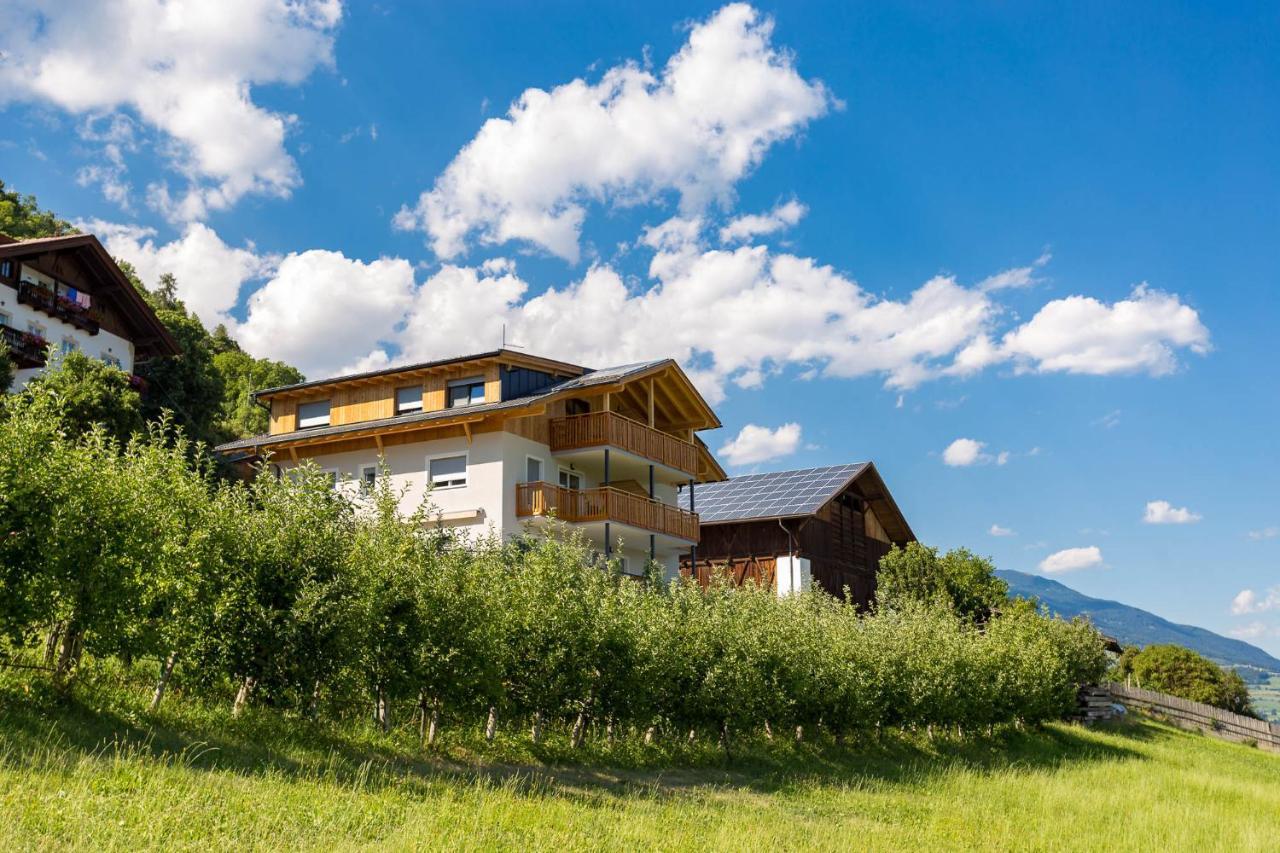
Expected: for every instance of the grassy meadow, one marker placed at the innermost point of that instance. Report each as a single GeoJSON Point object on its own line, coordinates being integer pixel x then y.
{"type": "Point", "coordinates": [93, 771]}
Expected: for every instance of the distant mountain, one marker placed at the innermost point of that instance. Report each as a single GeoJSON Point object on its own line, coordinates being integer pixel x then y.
{"type": "Point", "coordinates": [1134, 627]}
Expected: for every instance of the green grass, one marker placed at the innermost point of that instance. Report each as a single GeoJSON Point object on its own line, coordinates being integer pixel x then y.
{"type": "Point", "coordinates": [94, 772]}
{"type": "Point", "coordinates": [1266, 698]}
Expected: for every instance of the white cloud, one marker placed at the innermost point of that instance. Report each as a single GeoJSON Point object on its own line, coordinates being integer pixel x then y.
{"type": "Point", "coordinates": [1017, 277]}
{"type": "Point", "coordinates": [963, 452]}
{"type": "Point", "coordinates": [1163, 512]}
{"type": "Point", "coordinates": [1252, 631]}
{"type": "Point", "coordinates": [760, 444]}
{"type": "Point", "coordinates": [695, 128]}
{"type": "Point", "coordinates": [210, 273]}
{"type": "Point", "coordinates": [1109, 421]}
{"type": "Point", "coordinates": [997, 530]}
{"type": "Point", "coordinates": [325, 313]}
{"type": "Point", "coordinates": [744, 228]}
{"type": "Point", "coordinates": [1264, 533]}
{"type": "Point", "coordinates": [1080, 334]}
{"type": "Point", "coordinates": [184, 68]}
{"type": "Point", "coordinates": [1248, 601]}
{"type": "Point", "coordinates": [1071, 559]}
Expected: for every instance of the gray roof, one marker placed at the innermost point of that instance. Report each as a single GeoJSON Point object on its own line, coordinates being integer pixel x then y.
{"type": "Point", "coordinates": [587, 380]}
{"type": "Point", "coordinates": [780, 494]}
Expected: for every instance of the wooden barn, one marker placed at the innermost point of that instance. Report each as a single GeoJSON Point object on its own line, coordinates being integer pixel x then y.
{"type": "Point", "coordinates": [790, 529]}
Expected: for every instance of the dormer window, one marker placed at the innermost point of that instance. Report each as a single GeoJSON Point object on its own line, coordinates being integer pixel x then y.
{"type": "Point", "coordinates": [409, 400]}
{"type": "Point", "coordinates": [466, 392]}
{"type": "Point", "coordinates": [311, 415]}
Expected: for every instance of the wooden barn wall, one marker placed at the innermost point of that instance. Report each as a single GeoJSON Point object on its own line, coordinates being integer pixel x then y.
{"type": "Point", "coordinates": [835, 542]}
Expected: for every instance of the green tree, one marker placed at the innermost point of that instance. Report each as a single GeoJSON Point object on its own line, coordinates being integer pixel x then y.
{"type": "Point", "coordinates": [6, 371]}
{"type": "Point", "coordinates": [958, 578]}
{"type": "Point", "coordinates": [242, 374]}
{"type": "Point", "coordinates": [1179, 671]}
{"type": "Point", "coordinates": [21, 217]}
{"type": "Point", "coordinates": [84, 392]}
{"type": "Point", "coordinates": [188, 384]}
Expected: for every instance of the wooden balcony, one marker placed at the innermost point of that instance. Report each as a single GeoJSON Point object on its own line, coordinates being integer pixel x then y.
{"type": "Point", "coordinates": [605, 504]}
{"type": "Point", "coordinates": [43, 299]}
{"type": "Point", "coordinates": [26, 350]}
{"type": "Point", "coordinates": [601, 429]}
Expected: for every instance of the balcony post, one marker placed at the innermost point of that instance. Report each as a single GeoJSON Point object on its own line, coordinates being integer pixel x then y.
{"type": "Point", "coordinates": [693, 549]}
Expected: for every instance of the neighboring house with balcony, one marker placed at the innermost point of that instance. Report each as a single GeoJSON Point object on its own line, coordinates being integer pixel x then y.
{"type": "Point", "coordinates": [68, 293]}
{"type": "Point", "coordinates": [503, 440]}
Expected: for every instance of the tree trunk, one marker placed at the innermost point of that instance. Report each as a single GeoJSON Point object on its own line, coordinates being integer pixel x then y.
{"type": "Point", "coordinates": [68, 655]}
{"type": "Point", "coordinates": [491, 725]}
{"type": "Point", "coordinates": [314, 709]}
{"type": "Point", "coordinates": [768, 731]}
{"type": "Point", "coordinates": [693, 735]}
{"type": "Point", "coordinates": [242, 696]}
{"type": "Point", "coordinates": [51, 644]}
{"type": "Point", "coordinates": [422, 718]}
{"type": "Point", "coordinates": [579, 729]}
{"type": "Point", "coordinates": [799, 733]}
{"type": "Point", "coordinates": [648, 736]}
{"type": "Point", "coordinates": [165, 672]}
{"type": "Point", "coordinates": [434, 727]}
{"type": "Point", "coordinates": [724, 738]}
{"type": "Point", "coordinates": [535, 730]}
{"type": "Point", "coordinates": [608, 731]}
{"type": "Point", "coordinates": [381, 710]}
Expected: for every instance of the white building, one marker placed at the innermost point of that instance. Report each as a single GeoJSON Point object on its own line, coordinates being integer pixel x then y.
{"type": "Point", "coordinates": [505, 440]}
{"type": "Point", "coordinates": [67, 293]}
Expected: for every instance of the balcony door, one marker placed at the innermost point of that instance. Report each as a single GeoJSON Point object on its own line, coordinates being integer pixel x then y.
{"type": "Point", "coordinates": [570, 479]}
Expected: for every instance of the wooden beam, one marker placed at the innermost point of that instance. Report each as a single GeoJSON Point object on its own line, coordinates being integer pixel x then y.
{"type": "Point", "coordinates": [377, 436]}
{"type": "Point", "coordinates": [608, 396]}
{"type": "Point", "coordinates": [466, 427]}
{"type": "Point", "coordinates": [651, 422]}
{"type": "Point", "coordinates": [293, 452]}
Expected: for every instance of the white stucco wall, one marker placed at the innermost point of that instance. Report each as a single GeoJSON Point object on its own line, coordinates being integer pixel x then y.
{"type": "Point", "coordinates": [55, 331]}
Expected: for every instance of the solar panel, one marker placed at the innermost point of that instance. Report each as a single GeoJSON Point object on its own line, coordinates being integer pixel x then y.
{"type": "Point", "coordinates": [781, 493]}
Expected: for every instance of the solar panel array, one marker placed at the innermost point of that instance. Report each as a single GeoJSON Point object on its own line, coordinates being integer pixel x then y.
{"type": "Point", "coordinates": [780, 494]}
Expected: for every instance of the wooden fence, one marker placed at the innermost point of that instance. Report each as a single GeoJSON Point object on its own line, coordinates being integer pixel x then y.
{"type": "Point", "coordinates": [1201, 717]}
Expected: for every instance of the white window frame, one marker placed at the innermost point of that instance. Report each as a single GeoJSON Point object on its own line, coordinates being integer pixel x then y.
{"type": "Point", "coordinates": [572, 473]}
{"type": "Point", "coordinates": [411, 409]}
{"type": "Point", "coordinates": [68, 345]}
{"type": "Point", "coordinates": [542, 468]}
{"type": "Point", "coordinates": [6, 319]}
{"type": "Point", "coordinates": [337, 476]}
{"type": "Point", "coordinates": [298, 414]}
{"type": "Point", "coordinates": [365, 485]}
{"type": "Point", "coordinates": [469, 381]}
{"type": "Point", "coordinates": [466, 470]}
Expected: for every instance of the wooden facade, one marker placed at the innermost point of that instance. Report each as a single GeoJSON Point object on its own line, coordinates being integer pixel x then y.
{"type": "Point", "coordinates": [79, 261]}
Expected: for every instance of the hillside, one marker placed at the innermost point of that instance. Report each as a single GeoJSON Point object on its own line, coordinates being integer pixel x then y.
{"type": "Point", "coordinates": [1133, 626]}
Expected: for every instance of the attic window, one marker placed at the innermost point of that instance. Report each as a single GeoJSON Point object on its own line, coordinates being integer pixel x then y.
{"type": "Point", "coordinates": [311, 415]}
{"type": "Point", "coordinates": [408, 400]}
{"type": "Point", "coordinates": [466, 392]}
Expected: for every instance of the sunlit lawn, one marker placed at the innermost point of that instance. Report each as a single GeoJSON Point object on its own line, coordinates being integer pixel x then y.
{"type": "Point", "coordinates": [102, 776]}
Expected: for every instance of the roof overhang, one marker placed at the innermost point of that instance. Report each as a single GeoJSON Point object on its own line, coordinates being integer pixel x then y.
{"type": "Point", "coordinates": [154, 334]}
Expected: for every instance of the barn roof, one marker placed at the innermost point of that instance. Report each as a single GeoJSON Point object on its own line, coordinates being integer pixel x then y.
{"type": "Point", "coordinates": [796, 494]}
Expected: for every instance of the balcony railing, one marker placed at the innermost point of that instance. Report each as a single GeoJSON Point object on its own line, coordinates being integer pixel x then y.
{"type": "Point", "coordinates": [605, 504]}
{"type": "Point", "coordinates": [44, 299]}
{"type": "Point", "coordinates": [598, 429]}
{"type": "Point", "coordinates": [26, 349]}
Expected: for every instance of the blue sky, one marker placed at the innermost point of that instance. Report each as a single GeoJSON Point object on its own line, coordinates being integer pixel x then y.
{"type": "Point", "coordinates": [899, 159]}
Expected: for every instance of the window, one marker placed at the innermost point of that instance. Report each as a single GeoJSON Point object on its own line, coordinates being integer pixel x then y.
{"type": "Point", "coordinates": [6, 269]}
{"type": "Point", "coordinates": [313, 414]}
{"type": "Point", "coordinates": [466, 392]}
{"type": "Point", "coordinates": [408, 400]}
{"type": "Point", "coordinates": [35, 329]}
{"type": "Point", "coordinates": [532, 469]}
{"type": "Point", "coordinates": [5, 319]}
{"type": "Point", "coordinates": [109, 359]}
{"type": "Point", "coordinates": [69, 345]}
{"type": "Point", "coordinates": [332, 474]}
{"type": "Point", "coordinates": [447, 472]}
{"type": "Point", "coordinates": [368, 477]}
{"type": "Point", "coordinates": [570, 479]}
